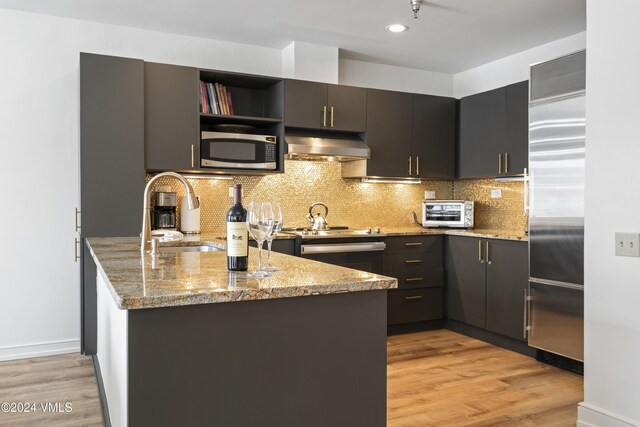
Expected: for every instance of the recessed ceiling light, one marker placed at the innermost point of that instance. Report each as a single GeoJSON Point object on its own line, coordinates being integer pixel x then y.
{"type": "Point", "coordinates": [397, 28]}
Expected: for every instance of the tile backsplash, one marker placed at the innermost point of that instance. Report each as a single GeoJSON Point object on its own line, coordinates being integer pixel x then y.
{"type": "Point", "coordinates": [351, 202]}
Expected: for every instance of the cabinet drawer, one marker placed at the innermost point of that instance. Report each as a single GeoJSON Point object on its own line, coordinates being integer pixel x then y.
{"type": "Point", "coordinates": [405, 306]}
{"type": "Point", "coordinates": [418, 279]}
{"type": "Point", "coordinates": [412, 261]}
{"type": "Point", "coordinates": [415, 244]}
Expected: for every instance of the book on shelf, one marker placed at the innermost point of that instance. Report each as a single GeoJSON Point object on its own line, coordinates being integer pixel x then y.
{"type": "Point", "coordinates": [215, 98]}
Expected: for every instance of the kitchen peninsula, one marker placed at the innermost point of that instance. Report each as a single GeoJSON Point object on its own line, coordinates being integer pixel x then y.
{"type": "Point", "coordinates": [182, 341]}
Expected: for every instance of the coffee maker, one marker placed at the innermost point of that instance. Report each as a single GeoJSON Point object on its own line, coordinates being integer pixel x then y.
{"type": "Point", "coordinates": [164, 210]}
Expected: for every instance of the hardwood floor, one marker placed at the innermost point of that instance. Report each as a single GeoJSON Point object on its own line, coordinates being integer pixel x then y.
{"type": "Point", "coordinates": [436, 378]}
{"type": "Point", "coordinates": [440, 378]}
{"type": "Point", "coordinates": [54, 379]}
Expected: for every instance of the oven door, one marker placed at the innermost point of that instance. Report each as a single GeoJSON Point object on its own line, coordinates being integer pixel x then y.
{"type": "Point", "coordinates": [443, 215]}
{"type": "Point", "coordinates": [237, 151]}
{"type": "Point", "coordinates": [364, 256]}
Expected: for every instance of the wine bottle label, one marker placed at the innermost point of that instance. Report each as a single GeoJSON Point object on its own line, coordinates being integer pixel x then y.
{"type": "Point", "coordinates": [237, 239]}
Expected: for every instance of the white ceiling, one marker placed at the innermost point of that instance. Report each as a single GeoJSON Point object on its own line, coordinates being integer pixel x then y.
{"type": "Point", "coordinates": [449, 35]}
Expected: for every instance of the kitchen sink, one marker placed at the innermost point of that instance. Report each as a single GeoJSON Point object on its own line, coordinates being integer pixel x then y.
{"type": "Point", "coordinates": [193, 248]}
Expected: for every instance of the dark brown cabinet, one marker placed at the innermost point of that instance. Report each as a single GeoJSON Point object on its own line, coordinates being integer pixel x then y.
{"type": "Point", "coordinates": [493, 132]}
{"type": "Point", "coordinates": [433, 139]}
{"type": "Point", "coordinates": [486, 279]}
{"type": "Point", "coordinates": [111, 164]}
{"type": "Point", "coordinates": [410, 135]}
{"type": "Point", "coordinates": [416, 261]}
{"type": "Point", "coordinates": [171, 117]}
{"type": "Point", "coordinates": [312, 105]}
{"type": "Point", "coordinates": [389, 132]}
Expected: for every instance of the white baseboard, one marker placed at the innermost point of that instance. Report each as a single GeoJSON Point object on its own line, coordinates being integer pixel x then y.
{"type": "Point", "coordinates": [38, 350]}
{"type": "Point", "coordinates": [592, 416]}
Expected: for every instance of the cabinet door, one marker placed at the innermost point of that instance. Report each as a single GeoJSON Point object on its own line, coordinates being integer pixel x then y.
{"type": "Point", "coordinates": [347, 108]}
{"type": "Point", "coordinates": [465, 272]}
{"type": "Point", "coordinates": [111, 164]}
{"type": "Point", "coordinates": [482, 134]}
{"type": "Point", "coordinates": [171, 118]}
{"type": "Point", "coordinates": [389, 118]}
{"type": "Point", "coordinates": [304, 104]}
{"type": "Point", "coordinates": [507, 278]}
{"type": "Point", "coordinates": [434, 136]}
{"type": "Point", "coordinates": [517, 131]}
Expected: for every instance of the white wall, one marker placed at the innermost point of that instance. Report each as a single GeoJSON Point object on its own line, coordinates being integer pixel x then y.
{"type": "Point", "coordinates": [39, 120]}
{"type": "Point", "coordinates": [380, 76]}
{"type": "Point", "coordinates": [308, 61]}
{"type": "Point", "coordinates": [612, 284]}
{"type": "Point", "coordinates": [513, 68]}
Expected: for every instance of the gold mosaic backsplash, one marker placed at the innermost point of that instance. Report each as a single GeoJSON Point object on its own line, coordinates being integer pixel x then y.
{"type": "Point", "coordinates": [505, 213]}
{"type": "Point", "coordinates": [350, 202]}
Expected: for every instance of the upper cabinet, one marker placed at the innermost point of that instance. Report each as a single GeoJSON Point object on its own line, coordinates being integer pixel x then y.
{"type": "Point", "coordinates": [433, 139]}
{"type": "Point", "coordinates": [493, 132]}
{"type": "Point", "coordinates": [171, 137]}
{"type": "Point", "coordinates": [389, 120]}
{"type": "Point", "coordinates": [177, 109]}
{"type": "Point", "coordinates": [311, 105]}
{"type": "Point", "coordinates": [411, 136]}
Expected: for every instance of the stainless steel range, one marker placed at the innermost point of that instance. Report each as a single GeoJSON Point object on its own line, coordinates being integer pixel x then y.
{"type": "Point", "coordinates": [360, 249]}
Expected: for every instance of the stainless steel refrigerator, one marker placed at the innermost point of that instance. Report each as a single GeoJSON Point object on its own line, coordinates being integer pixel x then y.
{"type": "Point", "coordinates": [555, 301]}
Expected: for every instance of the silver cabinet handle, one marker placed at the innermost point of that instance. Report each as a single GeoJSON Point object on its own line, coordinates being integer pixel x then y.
{"type": "Point", "coordinates": [480, 252]}
{"type": "Point", "coordinates": [324, 116]}
{"type": "Point", "coordinates": [525, 320]}
{"type": "Point", "coordinates": [506, 162]}
{"type": "Point", "coordinates": [193, 157]}
{"type": "Point", "coordinates": [414, 297]}
{"type": "Point", "coordinates": [413, 261]}
{"type": "Point", "coordinates": [331, 116]}
{"type": "Point", "coordinates": [499, 164]}
{"type": "Point", "coordinates": [487, 252]}
{"type": "Point", "coordinates": [78, 226]}
{"type": "Point", "coordinates": [413, 279]}
{"type": "Point", "coordinates": [413, 244]}
{"type": "Point", "coordinates": [409, 165]}
{"type": "Point", "coordinates": [417, 165]}
{"type": "Point", "coordinates": [75, 248]}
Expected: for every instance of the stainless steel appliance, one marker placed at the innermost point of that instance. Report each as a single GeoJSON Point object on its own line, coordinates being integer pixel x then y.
{"type": "Point", "coordinates": [164, 210]}
{"type": "Point", "coordinates": [357, 249]}
{"type": "Point", "coordinates": [556, 206]}
{"type": "Point", "coordinates": [447, 213]}
{"type": "Point", "coordinates": [311, 145]}
{"type": "Point", "coordinates": [238, 151]}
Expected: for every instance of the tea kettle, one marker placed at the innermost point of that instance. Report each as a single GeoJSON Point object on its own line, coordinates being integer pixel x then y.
{"type": "Point", "coordinates": [319, 222]}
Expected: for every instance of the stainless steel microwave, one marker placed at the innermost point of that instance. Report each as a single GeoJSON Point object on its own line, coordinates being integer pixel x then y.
{"type": "Point", "coordinates": [447, 213]}
{"type": "Point", "coordinates": [237, 151]}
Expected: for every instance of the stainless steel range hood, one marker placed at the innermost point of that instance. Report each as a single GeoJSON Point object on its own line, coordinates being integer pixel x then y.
{"type": "Point", "coordinates": [341, 147]}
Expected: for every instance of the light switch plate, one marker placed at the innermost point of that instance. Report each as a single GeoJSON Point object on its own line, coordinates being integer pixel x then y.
{"type": "Point", "coordinates": [496, 193]}
{"type": "Point", "coordinates": [628, 244]}
{"type": "Point", "coordinates": [430, 195]}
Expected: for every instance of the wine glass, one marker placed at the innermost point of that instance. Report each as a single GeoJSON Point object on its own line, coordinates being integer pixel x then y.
{"type": "Point", "coordinates": [260, 225]}
{"type": "Point", "coordinates": [277, 226]}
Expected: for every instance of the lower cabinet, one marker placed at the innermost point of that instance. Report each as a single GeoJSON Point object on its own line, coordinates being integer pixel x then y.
{"type": "Point", "coordinates": [416, 261]}
{"type": "Point", "coordinates": [486, 280]}
{"type": "Point", "coordinates": [283, 246]}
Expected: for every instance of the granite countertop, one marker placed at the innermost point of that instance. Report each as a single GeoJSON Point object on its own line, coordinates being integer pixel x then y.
{"type": "Point", "coordinates": [189, 278]}
{"type": "Point", "coordinates": [415, 230]}
{"type": "Point", "coordinates": [476, 232]}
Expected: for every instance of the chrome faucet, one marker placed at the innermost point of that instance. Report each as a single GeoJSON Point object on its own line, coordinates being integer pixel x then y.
{"type": "Point", "coordinates": [192, 203]}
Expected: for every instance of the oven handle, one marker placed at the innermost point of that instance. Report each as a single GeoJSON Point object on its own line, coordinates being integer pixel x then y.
{"type": "Point", "coordinates": [342, 248]}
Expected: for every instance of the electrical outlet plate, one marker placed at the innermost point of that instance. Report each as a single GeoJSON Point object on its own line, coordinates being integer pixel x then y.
{"type": "Point", "coordinates": [496, 193]}
{"type": "Point", "coordinates": [430, 195]}
{"type": "Point", "coordinates": [628, 244]}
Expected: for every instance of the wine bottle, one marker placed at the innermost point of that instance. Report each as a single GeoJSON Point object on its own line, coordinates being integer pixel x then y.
{"type": "Point", "coordinates": [237, 234]}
